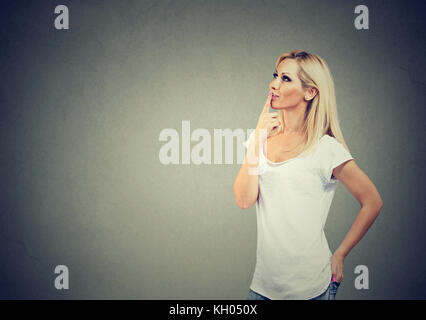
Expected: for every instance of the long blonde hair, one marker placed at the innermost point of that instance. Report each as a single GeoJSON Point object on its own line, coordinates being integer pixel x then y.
{"type": "Point", "coordinates": [321, 112]}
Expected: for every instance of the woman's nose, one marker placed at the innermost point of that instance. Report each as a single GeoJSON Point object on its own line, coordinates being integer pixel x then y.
{"type": "Point", "coordinates": [274, 84]}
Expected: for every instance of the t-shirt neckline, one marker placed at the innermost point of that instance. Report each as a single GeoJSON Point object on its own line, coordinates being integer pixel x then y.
{"type": "Point", "coordinates": [277, 163]}
{"type": "Point", "coordinates": [282, 162]}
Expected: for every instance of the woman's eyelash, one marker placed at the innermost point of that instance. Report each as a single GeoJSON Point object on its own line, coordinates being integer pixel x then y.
{"type": "Point", "coordinates": [284, 77]}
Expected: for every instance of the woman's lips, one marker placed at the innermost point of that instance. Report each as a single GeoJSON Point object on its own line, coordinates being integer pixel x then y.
{"type": "Point", "coordinates": [274, 97]}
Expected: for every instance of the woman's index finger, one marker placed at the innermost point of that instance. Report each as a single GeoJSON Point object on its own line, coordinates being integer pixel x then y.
{"type": "Point", "coordinates": [267, 103]}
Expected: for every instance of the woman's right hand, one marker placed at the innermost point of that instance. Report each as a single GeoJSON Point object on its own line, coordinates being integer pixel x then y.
{"type": "Point", "coordinates": [268, 120]}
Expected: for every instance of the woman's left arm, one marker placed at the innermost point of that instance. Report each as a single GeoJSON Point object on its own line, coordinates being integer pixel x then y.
{"type": "Point", "coordinates": [363, 189]}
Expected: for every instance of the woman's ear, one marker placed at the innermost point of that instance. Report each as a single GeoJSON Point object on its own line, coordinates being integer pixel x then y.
{"type": "Point", "coordinates": [311, 93]}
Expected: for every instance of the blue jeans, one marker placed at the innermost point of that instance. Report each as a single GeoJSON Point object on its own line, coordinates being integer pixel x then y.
{"type": "Point", "coordinates": [328, 294]}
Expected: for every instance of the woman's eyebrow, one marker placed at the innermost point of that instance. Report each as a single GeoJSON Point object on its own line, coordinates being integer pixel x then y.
{"type": "Point", "coordinates": [283, 72]}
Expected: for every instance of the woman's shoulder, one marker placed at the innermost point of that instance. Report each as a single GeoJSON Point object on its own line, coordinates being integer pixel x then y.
{"type": "Point", "coordinates": [328, 139]}
{"type": "Point", "coordinates": [326, 143]}
{"type": "Point", "coordinates": [332, 145]}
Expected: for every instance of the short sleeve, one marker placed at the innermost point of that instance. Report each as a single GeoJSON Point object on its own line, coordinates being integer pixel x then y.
{"type": "Point", "coordinates": [332, 156]}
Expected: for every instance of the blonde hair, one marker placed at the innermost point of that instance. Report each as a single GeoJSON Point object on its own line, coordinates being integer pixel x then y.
{"type": "Point", "coordinates": [321, 111]}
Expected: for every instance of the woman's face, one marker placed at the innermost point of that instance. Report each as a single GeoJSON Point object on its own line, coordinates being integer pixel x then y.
{"type": "Point", "coordinates": [286, 87]}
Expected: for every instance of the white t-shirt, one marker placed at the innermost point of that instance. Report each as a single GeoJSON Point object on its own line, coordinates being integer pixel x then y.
{"type": "Point", "coordinates": [293, 256]}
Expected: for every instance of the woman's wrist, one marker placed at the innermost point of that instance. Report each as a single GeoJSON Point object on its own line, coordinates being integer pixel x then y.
{"type": "Point", "coordinates": [339, 254]}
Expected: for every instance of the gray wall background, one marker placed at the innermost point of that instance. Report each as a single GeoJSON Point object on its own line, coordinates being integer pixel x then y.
{"type": "Point", "coordinates": [81, 113]}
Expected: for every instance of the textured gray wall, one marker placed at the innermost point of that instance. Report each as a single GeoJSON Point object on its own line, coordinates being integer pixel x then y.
{"type": "Point", "coordinates": [81, 113]}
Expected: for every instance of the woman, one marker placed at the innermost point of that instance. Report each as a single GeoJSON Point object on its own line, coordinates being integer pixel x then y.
{"type": "Point", "coordinates": [294, 160]}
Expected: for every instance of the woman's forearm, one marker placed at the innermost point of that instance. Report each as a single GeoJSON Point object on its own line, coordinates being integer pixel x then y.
{"type": "Point", "coordinates": [246, 186]}
{"type": "Point", "coordinates": [362, 223]}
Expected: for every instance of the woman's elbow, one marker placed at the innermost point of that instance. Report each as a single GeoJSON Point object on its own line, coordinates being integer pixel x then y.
{"type": "Point", "coordinates": [379, 205]}
{"type": "Point", "coordinates": [379, 202]}
{"type": "Point", "coordinates": [240, 202]}
{"type": "Point", "coordinates": [244, 199]}
{"type": "Point", "coordinates": [375, 204]}
{"type": "Point", "coordinates": [243, 205]}
{"type": "Point", "coordinates": [240, 205]}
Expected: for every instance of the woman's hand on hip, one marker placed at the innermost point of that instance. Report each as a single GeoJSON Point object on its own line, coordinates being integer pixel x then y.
{"type": "Point", "coordinates": [337, 267]}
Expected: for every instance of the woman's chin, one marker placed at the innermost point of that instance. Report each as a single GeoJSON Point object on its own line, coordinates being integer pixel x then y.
{"type": "Point", "coordinates": [275, 105]}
